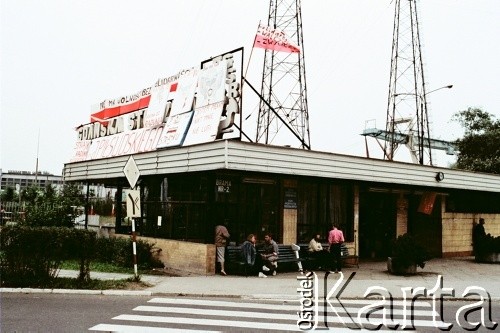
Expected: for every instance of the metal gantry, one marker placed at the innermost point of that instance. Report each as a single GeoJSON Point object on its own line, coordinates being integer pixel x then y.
{"type": "Point", "coordinates": [284, 91]}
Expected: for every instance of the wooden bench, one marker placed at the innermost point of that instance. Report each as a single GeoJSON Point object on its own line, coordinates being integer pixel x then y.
{"type": "Point", "coordinates": [286, 254]}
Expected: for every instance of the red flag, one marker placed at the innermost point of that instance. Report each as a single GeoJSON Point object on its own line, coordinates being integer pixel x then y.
{"type": "Point", "coordinates": [274, 39]}
{"type": "Point", "coordinates": [427, 203]}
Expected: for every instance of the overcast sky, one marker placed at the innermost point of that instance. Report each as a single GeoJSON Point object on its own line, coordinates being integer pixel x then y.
{"type": "Point", "coordinates": [59, 57]}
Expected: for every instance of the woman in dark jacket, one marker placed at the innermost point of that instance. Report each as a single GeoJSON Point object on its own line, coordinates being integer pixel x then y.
{"type": "Point", "coordinates": [249, 254]}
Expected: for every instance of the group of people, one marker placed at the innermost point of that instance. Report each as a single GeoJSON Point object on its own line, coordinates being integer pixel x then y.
{"type": "Point", "coordinates": [262, 265]}
{"type": "Point", "coordinates": [330, 258]}
{"type": "Point", "coordinates": [265, 263]}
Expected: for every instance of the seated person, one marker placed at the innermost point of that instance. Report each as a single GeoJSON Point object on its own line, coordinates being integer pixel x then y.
{"type": "Point", "coordinates": [249, 254]}
{"type": "Point", "coordinates": [316, 251]}
{"type": "Point", "coordinates": [269, 255]}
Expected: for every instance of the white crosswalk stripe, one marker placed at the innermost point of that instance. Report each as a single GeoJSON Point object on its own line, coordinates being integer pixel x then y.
{"type": "Point", "coordinates": [163, 314]}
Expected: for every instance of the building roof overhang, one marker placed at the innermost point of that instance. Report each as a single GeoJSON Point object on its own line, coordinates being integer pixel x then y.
{"type": "Point", "coordinates": [260, 158]}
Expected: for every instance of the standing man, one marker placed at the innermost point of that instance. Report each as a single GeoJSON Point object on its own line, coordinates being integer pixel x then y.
{"type": "Point", "coordinates": [478, 234]}
{"type": "Point", "coordinates": [335, 239]}
{"type": "Point", "coordinates": [221, 237]}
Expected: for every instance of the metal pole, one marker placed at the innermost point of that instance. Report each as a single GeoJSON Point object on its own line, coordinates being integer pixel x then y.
{"type": "Point", "coordinates": [37, 151]}
{"type": "Point", "coordinates": [87, 208]}
{"type": "Point", "coordinates": [134, 248]}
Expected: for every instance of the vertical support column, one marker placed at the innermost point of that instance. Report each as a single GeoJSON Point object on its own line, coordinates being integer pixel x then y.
{"type": "Point", "coordinates": [118, 209]}
{"type": "Point", "coordinates": [290, 212]}
{"type": "Point", "coordinates": [356, 219]}
{"type": "Point", "coordinates": [402, 215]}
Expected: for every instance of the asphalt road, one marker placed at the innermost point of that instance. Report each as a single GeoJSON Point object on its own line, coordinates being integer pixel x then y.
{"type": "Point", "coordinates": [60, 312]}
{"type": "Point", "coordinates": [81, 313]}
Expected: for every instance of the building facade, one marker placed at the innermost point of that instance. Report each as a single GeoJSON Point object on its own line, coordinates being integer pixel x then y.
{"type": "Point", "coordinates": [294, 193]}
{"type": "Point", "coordinates": [20, 180]}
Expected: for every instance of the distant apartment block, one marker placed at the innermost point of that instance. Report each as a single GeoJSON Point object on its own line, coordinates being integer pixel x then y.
{"type": "Point", "coordinates": [20, 180]}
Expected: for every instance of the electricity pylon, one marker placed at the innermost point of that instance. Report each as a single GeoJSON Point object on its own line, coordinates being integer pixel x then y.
{"type": "Point", "coordinates": [407, 99]}
{"type": "Point", "coordinates": [284, 91]}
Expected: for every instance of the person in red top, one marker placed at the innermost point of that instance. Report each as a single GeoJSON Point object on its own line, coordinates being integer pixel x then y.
{"type": "Point", "coordinates": [335, 239]}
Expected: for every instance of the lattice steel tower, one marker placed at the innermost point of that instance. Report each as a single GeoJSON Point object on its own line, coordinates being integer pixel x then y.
{"type": "Point", "coordinates": [407, 116]}
{"type": "Point", "coordinates": [284, 82]}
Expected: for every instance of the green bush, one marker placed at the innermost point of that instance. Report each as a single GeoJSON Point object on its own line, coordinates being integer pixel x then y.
{"type": "Point", "coordinates": [34, 254]}
{"type": "Point", "coordinates": [406, 251]}
{"type": "Point", "coordinates": [487, 244]}
{"type": "Point", "coordinates": [47, 215]}
{"type": "Point", "coordinates": [118, 251]}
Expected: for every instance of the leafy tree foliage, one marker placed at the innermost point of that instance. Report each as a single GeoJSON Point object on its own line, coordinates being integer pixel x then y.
{"type": "Point", "coordinates": [479, 149]}
{"type": "Point", "coordinates": [49, 208]}
{"type": "Point", "coordinates": [8, 194]}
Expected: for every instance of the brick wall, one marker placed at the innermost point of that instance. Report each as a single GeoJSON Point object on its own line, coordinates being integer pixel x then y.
{"type": "Point", "coordinates": [185, 256]}
{"type": "Point", "coordinates": [457, 231]}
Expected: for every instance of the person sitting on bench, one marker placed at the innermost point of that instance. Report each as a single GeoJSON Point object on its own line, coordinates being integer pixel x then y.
{"type": "Point", "coordinates": [269, 255]}
{"type": "Point", "coordinates": [318, 253]}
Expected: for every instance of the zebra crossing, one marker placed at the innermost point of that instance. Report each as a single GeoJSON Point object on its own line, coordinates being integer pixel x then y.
{"type": "Point", "coordinates": [163, 314]}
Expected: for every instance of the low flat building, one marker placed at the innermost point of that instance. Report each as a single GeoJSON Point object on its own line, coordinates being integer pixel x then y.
{"type": "Point", "coordinates": [294, 193]}
{"type": "Point", "coordinates": [179, 144]}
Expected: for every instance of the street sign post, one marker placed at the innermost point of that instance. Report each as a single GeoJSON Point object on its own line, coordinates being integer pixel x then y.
{"type": "Point", "coordinates": [131, 171]}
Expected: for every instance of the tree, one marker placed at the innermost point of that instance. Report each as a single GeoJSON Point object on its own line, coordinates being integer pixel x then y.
{"type": "Point", "coordinates": [8, 195]}
{"type": "Point", "coordinates": [32, 194]}
{"type": "Point", "coordinates": [479, 149]}
{"type": "Point", "coordinates": [48, 208]}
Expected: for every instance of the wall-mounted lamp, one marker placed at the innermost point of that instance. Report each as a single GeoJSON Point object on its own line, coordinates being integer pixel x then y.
{"type": "Point", "coordinates": [439, 176]}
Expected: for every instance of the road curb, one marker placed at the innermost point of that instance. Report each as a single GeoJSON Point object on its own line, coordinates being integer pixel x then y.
{"type": "Point", "coordinates": [275, 297]}
{"type": "Point", "coordinates": [77, 291]}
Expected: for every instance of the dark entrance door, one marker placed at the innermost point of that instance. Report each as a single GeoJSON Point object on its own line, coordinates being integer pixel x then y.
{"type": "Point", "coordinates": [377, 224]}
{"type": "Point", "coordinates": [259, 210]}
{"type": "Point", "coordinates": [426, 227]}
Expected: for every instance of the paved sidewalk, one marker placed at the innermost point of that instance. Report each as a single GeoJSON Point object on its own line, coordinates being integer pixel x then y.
{"type": "Point", "coordinates": [457, 273]}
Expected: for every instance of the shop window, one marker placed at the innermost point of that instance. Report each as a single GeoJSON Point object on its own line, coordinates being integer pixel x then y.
{"type": "Point", "coordinates": [320, 206]}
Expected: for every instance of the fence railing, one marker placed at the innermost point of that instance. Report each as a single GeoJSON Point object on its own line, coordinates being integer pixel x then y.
{"type": "Point", "coordinates": [12, 212]}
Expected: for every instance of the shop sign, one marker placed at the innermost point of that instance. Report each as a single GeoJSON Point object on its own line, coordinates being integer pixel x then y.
{"type": "Point", "coordinates": [223, 186]}
{"type": "Point", "coordinates": [290, 198]}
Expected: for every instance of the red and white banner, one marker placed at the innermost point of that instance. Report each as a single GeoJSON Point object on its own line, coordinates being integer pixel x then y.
{"type": "Point", "coordinates": [111, 108]}
{"type": "Point", "coordinates": [167, 114]}
{"type": "Point", "coordinates": [125, 143]}
{"type": "Point", "coordinates": [274, 39]}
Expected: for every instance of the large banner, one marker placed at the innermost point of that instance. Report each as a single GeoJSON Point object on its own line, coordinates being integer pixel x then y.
{"type": "Point", "coordinates": [194, 106]}
{"type": "Point", "coordinates": [274, 39]}
{"type": "Point", "coordinates": [175, 130]}
{"type": "Point", "coordinates": [111, 108]}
